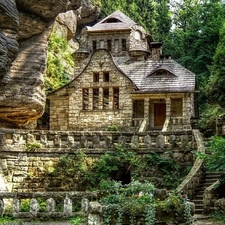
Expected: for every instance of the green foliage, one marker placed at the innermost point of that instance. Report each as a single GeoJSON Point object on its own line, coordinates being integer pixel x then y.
{"type": "Point", "coordinates": [109, 163]}
{"type": "Point", "coordinates": [72, 169]}
{"type": "Point", "coordinates": [215, 89]}
{"type": "Point", "coordinates": [112, 128]}
{"type": "Point", "coordinates": [8, 220]}
{"type": "Point", "coordinates": [78, 220]}
{"type": "Point", "coordinates": [25, 205]}
{"type": "Point", "coordinates": [214, 159]}
{"type": "Point", "coordinates": [32, 146]}
{"type": "Point", "coordinates": [153, 15]}
{"type": "Point", "coordinates": [192, 41]}
{"type": "Point", "coordinates": [79, 171]}
{"type": "Point", "coordinates": [59, 58]}
{"type": "Point", "coordinates": [137, 200]}
{"type": "Point", "coordinates": [209, 115]}
{"type": "Point", "coordinates": [168, 169]}
{"type": "Point", "coordinates": [131, 200]}
{"type": "Point", "coordinates": [218, 217]}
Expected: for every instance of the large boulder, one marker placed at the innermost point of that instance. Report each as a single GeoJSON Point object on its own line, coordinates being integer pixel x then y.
{"type": "Point", "coordinates": [25, 26]}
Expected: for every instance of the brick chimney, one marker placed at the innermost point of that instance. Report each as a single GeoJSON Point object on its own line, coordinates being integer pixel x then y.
{"type": "Point", "coordinates": [156, 50]}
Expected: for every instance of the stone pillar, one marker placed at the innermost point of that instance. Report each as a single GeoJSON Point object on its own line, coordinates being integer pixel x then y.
{"type": "Point", "coordinates": [34, 206]}
{"type": "Point", "coordinates": [2, 207]}
{"type": "Point", "coordinates": [43, 139]}
{"type": "Point", "coordinates": [2, 139]}
{"type": "Point", "coordinates": [160, 141]}
{"type": "Point", "coordinates": [147, 140]}
{"type": "Point", "coordinates": [57, 141]}
{"type": "Point", "coordinates": [94, 213]}
{"type": "Point", "coordinates": [16, 206]}
{"type": "Point", "coordinates": [96, 141]}
{"type": "Point", "coordinates": [168, 107]}
{"type": "Point", "coordinates": [90, 100]}
{"type": "Point", "coordinates": [83, 142]}
{"type": "Point", "coordinates": [134, 142]}
{"type": "Point", "coordinates": [100, 98]}
{"type": "Point", "coordinates": [146, 110]}
{"type": "Point", "coordinates": [68, 206]}
{"type": "Point", "coordinates": [50, 205]}
{"type": "Point", "coordinates": [84, 205]}
{"type": "Point", "coordinates": [186, 109]}
{"type": "Point", "coordinates": [110, 97]}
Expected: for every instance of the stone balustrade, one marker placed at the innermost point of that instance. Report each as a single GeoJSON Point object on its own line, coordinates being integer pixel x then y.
{"type": "Point", "coordinates": [136, 122]}
{"type": "Point", "coordinates": [19, 140]}
{"type": "Point", "coordinates": [10, 204]}
{"type": "Point", "coordinates": [209, 201]}
{"type": "Point", "coordinates": [193, 179]}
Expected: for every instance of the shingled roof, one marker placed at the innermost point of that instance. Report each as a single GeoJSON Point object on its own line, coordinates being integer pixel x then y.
{"type": "Point", "coordinates": [115, 21]}
{"type": "Point", "coordinates": [179, 79]}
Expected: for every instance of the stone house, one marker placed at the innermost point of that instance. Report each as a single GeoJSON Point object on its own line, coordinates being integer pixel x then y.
{"type": "Point", "coordinates": [122, 79]}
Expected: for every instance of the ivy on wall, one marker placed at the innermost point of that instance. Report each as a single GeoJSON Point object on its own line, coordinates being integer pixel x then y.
{"type": "Point", "coordinates": [59, 61]}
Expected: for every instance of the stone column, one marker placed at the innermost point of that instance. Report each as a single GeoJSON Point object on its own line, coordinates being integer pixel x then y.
{"type": "Point", "coordinates": [16, 206]}
{"type": "Point", "coordinates": [111, 98]}
{"type": "Point", "coordinates": [94, 213]}
{"type": "Point", "coordinates": [100, 98]}
{"type": "Point", "coordinates": [34, 206]}
{"type": "Point", "coordinates": [68, 207]}
{"type": "Point", "coordinates": [186, 109]}
{"type": "Point", "coordinates": [90, 100]}
{"type": "Point", "coordinates": [146, 110]}
{"type": "Point", "coordinates": [168, 107]}
{"type": "Point", "coordinates": [50, 205]}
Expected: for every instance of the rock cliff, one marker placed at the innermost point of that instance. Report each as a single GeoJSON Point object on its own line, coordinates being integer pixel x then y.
{"type": "Point", "coordinates": [25, 26]}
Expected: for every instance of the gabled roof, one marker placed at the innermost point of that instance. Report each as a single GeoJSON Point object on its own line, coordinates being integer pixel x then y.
{"type": "Point", "coordinates": [140, 72]}
{"type": "Point", "coordinates": [115, 21]}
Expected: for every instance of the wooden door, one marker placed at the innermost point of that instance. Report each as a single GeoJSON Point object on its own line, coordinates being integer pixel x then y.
{"type": "Point", "coordinates": [159, 114]}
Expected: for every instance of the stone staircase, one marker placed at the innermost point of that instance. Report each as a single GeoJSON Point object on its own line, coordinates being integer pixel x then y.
{"type": "Point", "coordinates": [210, 178]}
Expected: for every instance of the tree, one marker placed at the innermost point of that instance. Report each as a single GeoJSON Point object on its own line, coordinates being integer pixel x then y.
{"type": "Point", "coordinates": [215, 89]}
{"type": "Point", "coordinates": [143, 12]}
{"type": "Point", "coordinates": [215, 157]}
{"type": "Point", "coordinates": [192, 41]}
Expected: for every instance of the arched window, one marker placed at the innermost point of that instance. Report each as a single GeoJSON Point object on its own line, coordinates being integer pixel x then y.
{"type": "Point", "coordinates": [137, 35]}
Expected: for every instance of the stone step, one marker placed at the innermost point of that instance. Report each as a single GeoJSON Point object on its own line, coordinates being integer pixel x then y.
{"type": "Point", "coordinates": [199, 211]}
{"type": "Point", "coordinates": [198, 206]}
{"type": "Point", "coordinates": [198, 201]}
{"type": "Point", "coordinates": [210, 178]}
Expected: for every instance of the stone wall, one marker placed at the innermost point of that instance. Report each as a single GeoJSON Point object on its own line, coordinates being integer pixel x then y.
{"type": "Point", "coordinates": [26, 155]}
{"type": "Point", "coordinates": [71, 115]}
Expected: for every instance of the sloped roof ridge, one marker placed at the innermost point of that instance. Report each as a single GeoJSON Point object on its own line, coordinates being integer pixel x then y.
{"type": "Point", "coordinates": [117, 15]}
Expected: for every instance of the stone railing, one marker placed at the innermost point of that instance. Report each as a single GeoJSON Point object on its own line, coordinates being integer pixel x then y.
{"type": "Point", "coordinates": [208, 198]}
{"type": "Point", "coordinates": [176, 120]}
{"type": "Point", "coordinates": [136, 122]}
{"type": "Point", "coordinates": [193, 179]}
{"type": "Point", "coordinates": [62, 141]}
{"type": "Point", "coordinates": [56, 204]}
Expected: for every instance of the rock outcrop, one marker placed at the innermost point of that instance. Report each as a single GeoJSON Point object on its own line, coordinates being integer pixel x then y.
{"type": "Point", "coordinates": [25, 26]}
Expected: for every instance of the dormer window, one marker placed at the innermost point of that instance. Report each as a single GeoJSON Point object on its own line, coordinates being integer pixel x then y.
{"type": "Point", "coordinates": [162, 73]}
{"type": "Point", "coordinates": [112, 20]}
